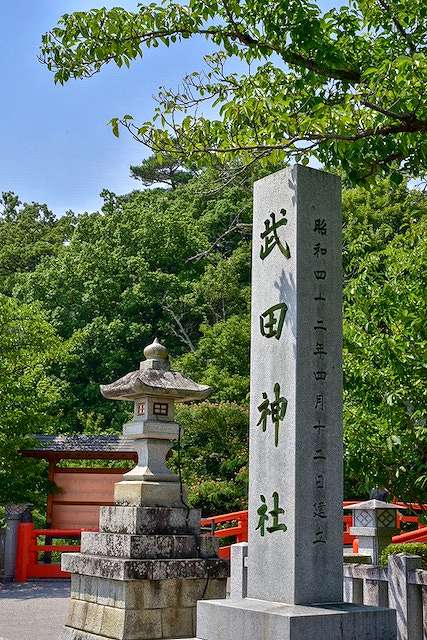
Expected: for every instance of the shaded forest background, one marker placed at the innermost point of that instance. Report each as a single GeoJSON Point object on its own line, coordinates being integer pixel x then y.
{"type": "Point", "coordinates": [82, 295]}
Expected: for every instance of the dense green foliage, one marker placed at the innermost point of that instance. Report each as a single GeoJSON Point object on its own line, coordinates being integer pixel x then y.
{"type": "Point", "coordinates": [176, 263]}
{"type": "Point", "coordinates": [215, 455]}
{"type": "Point", "coordinates": [385, 366]}
{"type": "Point", "coordinates": [29, 396]}
{"type": "Point", "coordinates": [346, 86]}
{"type": "Point", "coordinates": [409, 548]}
{"type": "Point", "coordinates": [28, 233]}
{"type": "Point", "coordinates": [128, 275]}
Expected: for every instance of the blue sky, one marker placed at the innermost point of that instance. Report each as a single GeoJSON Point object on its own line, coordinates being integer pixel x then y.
{"type": "Point", "coordinates": [56, 146]}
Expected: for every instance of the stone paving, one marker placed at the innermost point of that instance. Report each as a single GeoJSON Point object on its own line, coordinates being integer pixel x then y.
{"type": "Point", "coordinates": [33, 610]}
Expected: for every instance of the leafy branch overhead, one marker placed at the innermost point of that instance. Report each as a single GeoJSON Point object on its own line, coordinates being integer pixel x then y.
{"type": "Point", "coordinates": [346, 86]}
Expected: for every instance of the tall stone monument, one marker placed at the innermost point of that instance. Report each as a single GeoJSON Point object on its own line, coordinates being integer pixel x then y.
{"type": "Point", "coordinates": [140, 576]}
{"type": "Point", "coordinates": [295, 552]}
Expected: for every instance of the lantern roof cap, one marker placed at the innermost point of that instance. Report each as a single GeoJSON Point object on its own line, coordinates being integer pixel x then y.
{"type": "Point", "coordinates": [371, 505]}
{"type": "Point", "coordinates": [155, 378]}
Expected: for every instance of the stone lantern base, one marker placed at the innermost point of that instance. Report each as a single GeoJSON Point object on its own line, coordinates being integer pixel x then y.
{"type": "Point", "coordinates": [141, 576]}
{"type": "Point", "coordinates": [136, 493]}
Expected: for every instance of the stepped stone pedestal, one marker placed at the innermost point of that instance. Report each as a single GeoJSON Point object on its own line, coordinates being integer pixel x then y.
{"type": "Point", "coordinates": [141, 575]}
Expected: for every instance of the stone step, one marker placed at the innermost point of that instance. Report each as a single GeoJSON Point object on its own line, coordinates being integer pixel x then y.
{"type": "Point", "coordinates": [118, 545]}
{"type": "Point", "coordinates": [131, 624]}
{"type": "Point", "coordinates": [136, 569]}
{"type": "Point", "coordinates": [149, 520]}
{"type": "Point", "coordinates": [252, 619]}
{"type": "Point", "coordinates": [76, 634]}
{"type": "Point", "coordinates": [123, 545]}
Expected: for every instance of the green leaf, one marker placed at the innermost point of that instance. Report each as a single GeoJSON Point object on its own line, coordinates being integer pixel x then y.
{"type": "Point", "coordinates": [115, 126]}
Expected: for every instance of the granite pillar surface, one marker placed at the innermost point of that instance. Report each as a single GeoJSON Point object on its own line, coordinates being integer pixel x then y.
{"type": "Point", "coordinates": [295, 456]}
{"type": "Point", "coordinates": [295, 547]}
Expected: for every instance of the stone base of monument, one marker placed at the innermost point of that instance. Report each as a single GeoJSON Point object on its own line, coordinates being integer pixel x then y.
{"type": "Point", "coordinates": [250, 619]}
{"type": "Point", "coordinates": [141, 575]}
{"type": "Point", "coordinates": [73, 634]}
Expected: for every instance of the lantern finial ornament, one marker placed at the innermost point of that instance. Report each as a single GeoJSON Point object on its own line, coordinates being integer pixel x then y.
{"type": "Point", "coordinates": [156, 351]}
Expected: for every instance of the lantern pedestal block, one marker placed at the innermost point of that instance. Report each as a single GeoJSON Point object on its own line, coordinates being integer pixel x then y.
{"type": "Point", "coordinates": [152, 452]}
{"type": "Point", "coordinates": [150, 494]}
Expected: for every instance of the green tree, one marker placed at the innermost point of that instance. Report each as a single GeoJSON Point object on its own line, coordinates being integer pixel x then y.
{"type": "Point", "coordinates": [136, 271]}
{"type": "Point", "coordinates": [28, 233]}
{"type": "Point", "coordinates": [346, 86]}
{"type": "Point", "coordinates": [29, 397]}
{"type": "Point", "coordinates": [384, 343]}
{"type": "Point", "coordinates": [214, 455]}
{"type": "Point", "coordinates": [221, 359]}
{"type": "Point", "coordinates": [176, 263]}
{"type": "Point", "coordinates": [164, 169]}
{"type": "Point", "coordinates": [385, 368]}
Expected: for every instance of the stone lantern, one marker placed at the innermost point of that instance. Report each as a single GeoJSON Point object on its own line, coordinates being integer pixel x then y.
{"type": "Point", "coordinates": [140, 576]}
{"type": "Point", "coordinates": [374, 523]}
{"type": "Point", "coordinates": [153, 388]}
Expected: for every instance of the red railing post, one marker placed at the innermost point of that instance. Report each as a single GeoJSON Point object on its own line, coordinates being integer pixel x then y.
{"type": "Point", "coordinates": [243, 524]}
{"type": "Point", "coordinates": [23, 551]}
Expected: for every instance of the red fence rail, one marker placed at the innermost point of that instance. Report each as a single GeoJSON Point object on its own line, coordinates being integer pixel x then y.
{"type": "Point", "coordinates": [238, 522]}
{"type": "Point", "coordinates": [419, 535]}
{"type": "Point", "coordinates": [228, 525]}
{"type": "Point", "coordinates": [239, 528]}
{"type": "Point", "coordinates": [29, 548]}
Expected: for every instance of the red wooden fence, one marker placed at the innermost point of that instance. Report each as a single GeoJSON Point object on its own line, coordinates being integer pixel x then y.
{"type": "Point", "coordinates": [239, 527]}
{"type": "Point", "coordinates": [28, 549]}
{"type": "Point", "coordinates": [228, 525]}
{"type": "Point", "coordinates": [419, 535]}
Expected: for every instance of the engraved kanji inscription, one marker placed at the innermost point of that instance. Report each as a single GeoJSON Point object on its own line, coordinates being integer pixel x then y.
{"type": "Point", "coordinates": [320, 326]}
{"type": "Point", "coordinates": [319, 350]}
{"type": "Point", "coordinates": [320, 375]}
{"type": "Point", "coordinates": [275, 513]}
{"type": "Point", "coordinates": [320, 226]}
{"type": "Point", "coordinates": [319, 402]}
{"type": "Point", "coordinates": [276, 410]}
{"type": "Point", "coordinates": [320, 274]}
{"type": "Point", "coordinates": [319, 455]}
{"type": "Point", "coordinates": [271, 238]}
{"type": "Point", "coordinates": [319, 251]}
{"type": "Point", "coordinates": [320, 510]}
{"type": "Point", "coordinates": [319, 536]}
{"type": "Point", "coordinates": [319, 427]}
{"type": "Point", "coordinates": [271, 321]}
{"type": "Point", "coordinates": [320, 297]}
{"type": "Point", "coordinates": [319, 481]}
